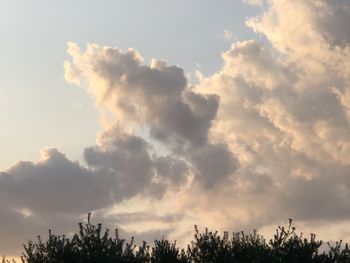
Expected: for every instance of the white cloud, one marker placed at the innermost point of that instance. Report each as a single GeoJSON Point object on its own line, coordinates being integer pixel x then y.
{"type": "Point", "coordinates": [254, 2]}
{"type": "Point", "coordinates": [228, 34]}
{"type": "Point", "coordinates": [283, 112]}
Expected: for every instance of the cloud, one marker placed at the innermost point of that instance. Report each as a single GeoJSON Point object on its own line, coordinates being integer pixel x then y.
{"type": "Point", "coordinates": [283, 112]}
{"type": "Point", "coordinates": [254, 2]}
{"type": "Point", "coordinates": [54, 184]}
{"type": "Point", "coordinates": [214, 163]}
{"type": "Point", "coordinates": [263, 139]}
{"type": "Point", "coordinates": [155, 96]}
{"type": "Point", "coordinates": [228, 35]}
{"type": "Point", "coordinates": [153, 107]}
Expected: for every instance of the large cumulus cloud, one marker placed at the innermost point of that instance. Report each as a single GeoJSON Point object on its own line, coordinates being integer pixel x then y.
{"type": "Point", "coordinates": [284, 112]}
{"type": "Point", "coordinates": [153, 108]}
{"type": "Point", "coordinates": [57, 193]}
{"type": "Point", "coordinates": [155, 96]}
{"type": "Point", "coordinates": [263, 139]}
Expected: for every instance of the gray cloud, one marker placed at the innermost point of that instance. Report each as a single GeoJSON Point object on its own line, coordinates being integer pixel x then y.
{"type": "Point", "coordinates": [323, 197]}
{"type": "Point", "coordinates": [127, 160]}
{"type": "Point", "coordinates": [157, 96]}
{"type": "Point", "coordinates": [332, 20]}
{"type": "Point", "coordinates": [54, 184]}
{"type": "Point", "coordinates": [213, 163]}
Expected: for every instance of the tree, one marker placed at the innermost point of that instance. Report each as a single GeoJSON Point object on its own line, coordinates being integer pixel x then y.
{"type": "Point", "coordinates": [92, 243]}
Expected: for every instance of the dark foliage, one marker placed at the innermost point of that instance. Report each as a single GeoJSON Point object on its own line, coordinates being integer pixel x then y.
{"type": "Point", "coordinates": [93, 244]}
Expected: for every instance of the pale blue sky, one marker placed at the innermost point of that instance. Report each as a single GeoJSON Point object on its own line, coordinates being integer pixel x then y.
{"type": "Point", "coordinates": [37, 106]}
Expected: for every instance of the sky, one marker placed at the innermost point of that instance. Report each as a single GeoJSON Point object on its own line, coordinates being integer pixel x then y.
{"type": "Point", "coordinates": [33, 48]}
{"type": "Point", "coordinates": [158, 115]}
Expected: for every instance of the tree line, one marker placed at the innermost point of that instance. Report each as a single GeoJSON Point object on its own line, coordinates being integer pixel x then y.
{"type": "Point", "coordinates": [94, 244]}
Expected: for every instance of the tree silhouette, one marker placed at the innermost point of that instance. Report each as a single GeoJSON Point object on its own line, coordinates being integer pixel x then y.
{"type": "Point", "coordinates": [94, 244]}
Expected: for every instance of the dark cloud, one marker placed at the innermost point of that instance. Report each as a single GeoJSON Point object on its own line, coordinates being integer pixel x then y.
{"type": "Point", "coordinates": [55, 184]}
{"type": "Point", "coordinates": [332, 21]}
{"type": "Point", "coordinates": [213, 164]}
{"type": "Point", "coordinates": [157, 94]}
{"type": "Point", "coordinates": [127, 160]}
{"type": "Point", "coordinates": [172, 171]}
{"type": "Point", "coordinates": [325, 196]}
